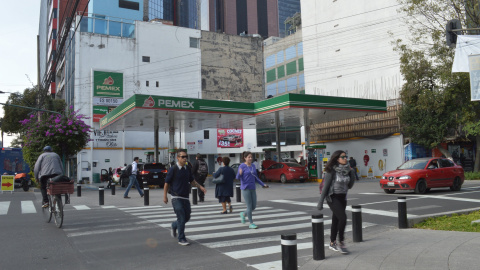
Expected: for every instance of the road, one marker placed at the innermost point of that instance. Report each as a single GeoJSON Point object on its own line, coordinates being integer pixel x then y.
{"type": "Point", "coordinates": [125, 234]}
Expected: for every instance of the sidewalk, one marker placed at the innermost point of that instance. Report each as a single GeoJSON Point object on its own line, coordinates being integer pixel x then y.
{"type": "Point", "coordinates": [406, 249]}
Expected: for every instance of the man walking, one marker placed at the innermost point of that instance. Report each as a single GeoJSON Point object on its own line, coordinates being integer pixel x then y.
{"type": "Point", "coordinates": [177, 183]}
{"type": "Point", "coordinates": [48, 165]}
{"type": "Point", "coordinates": [353, 164]}
{"type": "Point", "coordinates": [132, 175]}
{"type": "Point", "coordinates": [200, 172]}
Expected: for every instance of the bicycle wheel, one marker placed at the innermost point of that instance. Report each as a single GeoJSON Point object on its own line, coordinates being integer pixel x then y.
{"type": "Point", "coordinates": [58, 210]}
{"type": "Point", "coordinates": [47, 212]}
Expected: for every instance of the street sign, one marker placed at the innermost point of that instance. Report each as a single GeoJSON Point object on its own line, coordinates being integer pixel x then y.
{"type": "Point", "coordinates": [7, 183]}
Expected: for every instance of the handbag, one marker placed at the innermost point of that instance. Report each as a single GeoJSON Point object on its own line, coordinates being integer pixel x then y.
{"type": "Point", "coordinates": [219, 179]}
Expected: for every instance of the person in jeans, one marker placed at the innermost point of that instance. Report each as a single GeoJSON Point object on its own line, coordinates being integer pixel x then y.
{"type": "Point", "coordinates": [48, 165]}
{"type": "Point", "coordinates": [247, 174]}
{"type": "Point", "coordinates": [177, 183]}
{"type": "Point", "coordinates": [339, 178]}
{"type": "Point", "coordinates": [133, 179]}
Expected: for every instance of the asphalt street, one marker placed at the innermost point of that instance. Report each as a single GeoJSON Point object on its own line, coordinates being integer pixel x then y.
{"type": "Point", "coordinates": [125, 234]}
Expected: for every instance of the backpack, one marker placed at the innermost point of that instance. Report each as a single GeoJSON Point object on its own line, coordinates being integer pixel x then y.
{"type": "Point", "coordinates": [128, 171]}
{"type": "Point", "coordinates": [202, 167]}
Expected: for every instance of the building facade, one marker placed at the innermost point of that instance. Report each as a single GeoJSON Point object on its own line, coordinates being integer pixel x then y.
{"type": "Point", "coordinates": [284, 65]}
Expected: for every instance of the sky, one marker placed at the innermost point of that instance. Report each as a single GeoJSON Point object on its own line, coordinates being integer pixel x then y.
{"type": "Point", "coordinates": [18, 49]}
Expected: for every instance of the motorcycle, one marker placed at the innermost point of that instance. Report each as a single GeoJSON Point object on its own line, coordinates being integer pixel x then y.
{"type": "Point", "coordinates": [23, 180]}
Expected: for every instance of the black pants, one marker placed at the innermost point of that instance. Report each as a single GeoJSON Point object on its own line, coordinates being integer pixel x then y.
{"type": "Point", "coordinates": [339, 217]}
{"type": "Point", "coordinates": [43, 186]}
{"type": "Point", "coordinates": [201, 181]}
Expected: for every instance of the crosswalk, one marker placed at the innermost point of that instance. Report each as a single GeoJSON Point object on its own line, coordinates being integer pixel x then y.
{"type": "Point", "coordinates": [259, 248]}
{"type": "Point", "coordinates": [32, 207]}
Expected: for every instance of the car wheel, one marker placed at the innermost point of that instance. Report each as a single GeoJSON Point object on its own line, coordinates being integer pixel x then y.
{"type": "Point", "coordinates": [263, 177]}
{"type": "Point", "coordinates": [421, 187]}
{"type": "Point", "coordinates": [456, 186]}
{"type": "Point", "coordinates": [389, 191]}
{"type": "Point", "coordinates": [283, 178]}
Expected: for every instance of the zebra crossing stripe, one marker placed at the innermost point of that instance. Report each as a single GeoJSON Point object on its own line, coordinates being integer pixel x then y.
{"type": "Point", "coordinates": [4, 207]}
{"type": "Point", "coordinates": [275, 249]}
{"type": "Point", "coordinates": [248, 241]}
{"type": "Point", "coordinates": [246, 231]}
{"type": "Point", "coordinates": [81, 207]}
{"type": "Point", "coordinates": [28, 207]}
{"type": "Point", "coordinates": [237, 225]}
{"type": "Point", "coordinates": [214, 214]}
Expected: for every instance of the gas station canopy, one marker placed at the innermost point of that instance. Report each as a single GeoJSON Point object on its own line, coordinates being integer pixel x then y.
{"type": "Point", "coordinates": [142, 112]}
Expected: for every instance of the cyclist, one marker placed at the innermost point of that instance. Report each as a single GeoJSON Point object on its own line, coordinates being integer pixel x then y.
{"type": "Point", "coordinates": [48, 165]}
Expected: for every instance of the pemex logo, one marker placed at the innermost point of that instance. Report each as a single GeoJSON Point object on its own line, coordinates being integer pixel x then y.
{"type": "Point", "coordinates": [108, 81]}
{"type": "Point", "coordinates": [149, 102]}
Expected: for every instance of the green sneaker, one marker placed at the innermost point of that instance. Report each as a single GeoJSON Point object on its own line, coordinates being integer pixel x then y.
{"type": "Point", "coordinates": [252, 226]}
{"type": "Point", "coordinates": [242, 217]}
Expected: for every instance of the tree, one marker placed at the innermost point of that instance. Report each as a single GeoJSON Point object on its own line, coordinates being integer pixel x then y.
{"type": "Point", "coordinates": [66, 133]}
{"type": "Point", "coordinates": [436, 102]}
{"type": "Point", "coordinates": [13, 115]}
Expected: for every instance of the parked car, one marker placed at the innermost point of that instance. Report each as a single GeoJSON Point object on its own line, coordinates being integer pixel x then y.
{"type": "Point", "coordinates": [422, 174]}
{"type": "Point", "coordinates": [285, 171]}
{"type": "Point", "coordinates": [152, 173]}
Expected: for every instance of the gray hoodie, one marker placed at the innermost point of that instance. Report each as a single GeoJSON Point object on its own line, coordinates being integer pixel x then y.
{"type": "Point", "coordinates": [48, 163]}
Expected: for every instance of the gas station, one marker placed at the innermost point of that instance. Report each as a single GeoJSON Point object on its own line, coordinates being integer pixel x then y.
{"type": "Point", "coordinates": [150, 113]}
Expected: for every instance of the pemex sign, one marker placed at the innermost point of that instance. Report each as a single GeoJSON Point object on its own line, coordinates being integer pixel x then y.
{"type": "Point", "coordinates": [107, 84]}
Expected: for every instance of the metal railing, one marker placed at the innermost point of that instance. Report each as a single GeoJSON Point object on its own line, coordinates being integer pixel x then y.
{"type": "Point", "coordinates": [106, 25]}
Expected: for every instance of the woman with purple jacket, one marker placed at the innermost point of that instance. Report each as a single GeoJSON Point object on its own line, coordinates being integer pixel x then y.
{"type": "Point", "coordinates": [247, 174]}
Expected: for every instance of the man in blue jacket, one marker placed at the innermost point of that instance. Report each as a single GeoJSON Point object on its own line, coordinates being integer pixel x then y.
{"type": "Point", "coordinates": [177, 183]}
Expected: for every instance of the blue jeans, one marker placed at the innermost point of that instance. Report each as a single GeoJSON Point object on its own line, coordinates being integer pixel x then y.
{"type": "Point", "coordinates": [250, 197]}
{"type": "Point", "coordinates": [182, 210]}
{"type": "Point", "coordinates": [133, 180]}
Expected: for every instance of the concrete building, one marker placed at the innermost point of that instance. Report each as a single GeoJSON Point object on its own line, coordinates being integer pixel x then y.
{"type": "Point", "coordinates": [284, 65]}
{"type": "Point", "coordinates": [348, 50]}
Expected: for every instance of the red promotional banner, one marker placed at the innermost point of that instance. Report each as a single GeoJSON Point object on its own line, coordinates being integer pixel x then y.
{"type": "Point", "coordinates": [229, 137]}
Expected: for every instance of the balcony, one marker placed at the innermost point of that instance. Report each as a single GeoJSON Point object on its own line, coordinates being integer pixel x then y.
{"type": "Point", "coordinates": [106, 25]}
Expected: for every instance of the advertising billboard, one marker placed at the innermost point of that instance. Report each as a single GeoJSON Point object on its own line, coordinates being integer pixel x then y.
{"type": "Point", "coordinates": [229, 138]}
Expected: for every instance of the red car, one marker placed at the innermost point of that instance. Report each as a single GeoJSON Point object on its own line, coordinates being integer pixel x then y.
{"type": "Point", "coordinates": [285, 171]}
{"type": "Point", "coordinates": [422, 174]}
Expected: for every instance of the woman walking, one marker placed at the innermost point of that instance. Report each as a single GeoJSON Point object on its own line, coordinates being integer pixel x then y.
{"type": "Point", "coordinates": [339, 178]}
{"type": "Point", "coordinates": [224, 191]}
{"type": "Point", "coordinates": [247, 174]}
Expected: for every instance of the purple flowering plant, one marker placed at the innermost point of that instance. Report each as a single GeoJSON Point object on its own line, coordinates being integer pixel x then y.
{"type": "Point", "coordinates": [66, 133]}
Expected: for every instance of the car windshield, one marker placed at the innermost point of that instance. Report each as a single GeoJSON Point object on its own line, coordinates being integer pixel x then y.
{"type": "Point", "coordinates": [413, 164]}
{"type": "Point", "coordinates": [293, 164]}
{"type": "Point", "coordinates": [153, 166]}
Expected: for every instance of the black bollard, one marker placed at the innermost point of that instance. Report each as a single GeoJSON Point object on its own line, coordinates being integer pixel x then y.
{"type": "Point", "coordinates": [357, 223]}
{"type": "Point", "coordinates": [146, 194]}
{"type": "Point", "coordinates": [194, 195]}
{"type": "Point", "coordinates": [112, 186]}
{"type": "Point", "coordinates": [238, 193]}
{"type": "Point", "coordinates": [79, 190]}
{"type": "Point", "coordinates": [402, 213]}
{"type": "Point", "coordinates": [318, 237]}
{"type": "Point", "coordinates": [289, 251]}
{"type": "Point", "coordinates": [100, 195]}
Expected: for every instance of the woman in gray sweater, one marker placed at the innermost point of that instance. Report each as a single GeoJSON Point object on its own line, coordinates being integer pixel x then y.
{"type": "Point", "coordinates": [338, 179]}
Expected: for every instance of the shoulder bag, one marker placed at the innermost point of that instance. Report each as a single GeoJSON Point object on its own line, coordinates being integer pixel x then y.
{"type": "Point", "coordinates": [219, 179]}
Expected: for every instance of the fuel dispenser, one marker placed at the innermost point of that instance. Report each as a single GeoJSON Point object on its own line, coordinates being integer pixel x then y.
{"type": "Point", "coordinates": [150, 157]}
{"type": "Point", "coordinates": [315, 161]}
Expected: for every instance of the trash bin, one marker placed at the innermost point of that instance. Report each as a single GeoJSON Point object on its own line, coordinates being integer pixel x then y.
{"type": "Point", "coordinates": [96, 178]}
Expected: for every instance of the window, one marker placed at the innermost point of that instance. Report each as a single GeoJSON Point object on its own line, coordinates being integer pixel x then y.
{"type": "Point", "coordinates": [281, 87]}
{"type": "Point", "coordinates": [290, 53]}
{"type": "Point", "coordinates": [445, 163]}
{"type": "Point", "coordinates": [206, 134]}
{"type": "Point", "coordinates": [270, 61]}
{"type": "Point", "coordinates": [292, 84]}
{"type": "Point", "coordinates": [271, 89]}
{"type": "Point", "coordinates": [281, 72]}
{"type": "Point", "coordinates": [129, 4]}
{"type": "Point", "coordinates": [271, 75]}
{"type": "Point", "coordinates": [146, 59]}
{"type": "Point", "coordinates": [300, 48]}
{"type": "Point", "coordinates": [280, 57]}
{"type": "Point", "coordinates": [157, 84]}
{"type": "Point", "coordinates": [147, 83]}
{"type": "Point", "coordinates": [194, 42]}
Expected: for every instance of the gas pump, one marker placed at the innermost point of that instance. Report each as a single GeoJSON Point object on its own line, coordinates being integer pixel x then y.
{"type": "Point", "coordinates": [315, 161]}
{"type": "Point", "coordinates": [150, 157]}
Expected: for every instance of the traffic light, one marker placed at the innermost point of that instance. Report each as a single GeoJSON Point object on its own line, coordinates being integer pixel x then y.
{"type": "Point", "coordinates": [452, 35]}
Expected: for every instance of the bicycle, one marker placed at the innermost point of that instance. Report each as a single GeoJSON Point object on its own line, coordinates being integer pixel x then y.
{"type": "Point", "coordinates": [55, 204]}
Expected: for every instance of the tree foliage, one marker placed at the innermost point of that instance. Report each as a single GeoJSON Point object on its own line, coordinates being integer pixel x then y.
{"type": "Point", "coordinates": [13, 115]}
{"type": "Point", "coordinates": [436, 102]}
{"type": "Point", "coordinates": [66, 133]}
